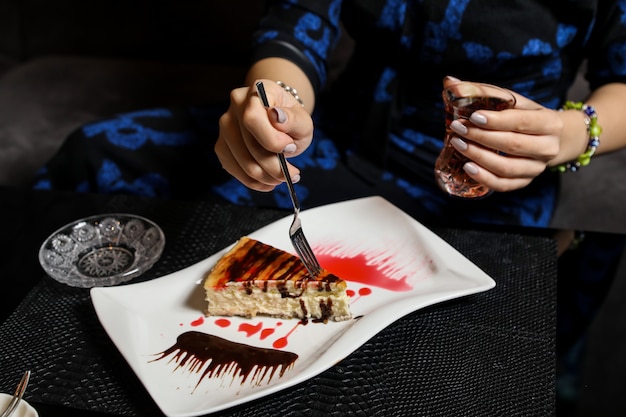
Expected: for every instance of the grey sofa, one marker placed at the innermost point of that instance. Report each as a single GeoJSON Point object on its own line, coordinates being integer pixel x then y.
{"type": "Point", "coordinates": [67, 62]}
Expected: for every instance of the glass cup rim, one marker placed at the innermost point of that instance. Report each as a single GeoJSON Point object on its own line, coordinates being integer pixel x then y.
{"type": "Point", "coordinates": [510, 96]}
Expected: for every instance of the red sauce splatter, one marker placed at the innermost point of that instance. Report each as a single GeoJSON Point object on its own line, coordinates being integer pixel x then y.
{"type": "Point", "coordinates": [198, 322]}
{"type": "Point", "coordinates": [280, 343]}
{"type": "Point", "coordinates": [222, 322]}
{"type": "Point", "coordinates": [284, 341]}
{"type": "Point", "coordinates": [265, 333]}
{"type": "Point", "coordinates": [356, 269]}
{"type": "Point", "coordinates": [250, 329]}
{"type": "Point", "coordinates": [365, 291]}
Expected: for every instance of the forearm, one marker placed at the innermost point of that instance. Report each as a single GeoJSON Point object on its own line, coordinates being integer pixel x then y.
{"type": "Point", "coordinates": [609, 102]}
{"type": "Point", "coordinates": [280, 69]}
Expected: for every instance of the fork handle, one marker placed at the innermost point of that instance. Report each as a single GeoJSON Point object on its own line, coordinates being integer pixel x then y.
{"type": "Point", "coordinates": [260, 88]}
{"type": "Point", "coordinates": [292, 191]}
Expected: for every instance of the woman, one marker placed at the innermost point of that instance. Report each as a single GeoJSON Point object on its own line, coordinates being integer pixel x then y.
{"type": "Point", "coordinates": [382, 120]}
{"type": "Point", "coordinates": [379, 126]}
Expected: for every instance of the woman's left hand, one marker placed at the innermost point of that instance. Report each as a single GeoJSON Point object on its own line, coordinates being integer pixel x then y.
{"type": "Point", "coordinates": [527, 139]}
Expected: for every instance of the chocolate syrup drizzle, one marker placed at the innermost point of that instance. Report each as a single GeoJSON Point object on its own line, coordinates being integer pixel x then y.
{"type": "Point", "coordinates": [194, 350]}
{"type": "Point", "coordinates": [259, 256]}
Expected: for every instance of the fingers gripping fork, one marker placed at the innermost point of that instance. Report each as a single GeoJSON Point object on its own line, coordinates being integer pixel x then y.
{"type": "Point", "coordinates": [296, 234]}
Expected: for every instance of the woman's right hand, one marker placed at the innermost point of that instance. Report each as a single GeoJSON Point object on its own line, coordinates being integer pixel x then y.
{"type": "Point", "coordinates": [251, 135]}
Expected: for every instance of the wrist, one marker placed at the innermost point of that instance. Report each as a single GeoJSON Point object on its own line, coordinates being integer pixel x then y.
{"type": "Point", "coordinates": [591, 140]}
{"type": "Point", "coordinates": [574, 137]}
{"type": "Point", "coordinates": [291, 91]}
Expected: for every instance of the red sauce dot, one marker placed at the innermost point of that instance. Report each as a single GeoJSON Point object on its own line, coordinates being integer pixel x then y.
{"type": "Point", "coordinates": [280, 343]}
{"type": "Point", "coordinates": [222, 322]}
{"type": "Point", "coordinates": [365, 291]}
{"type": "Point", "coordinates": [198, 321]}
{"type": "Point", "coordinates": [250, 329]}
{"type": "Point", "coordinates": [265, 333]}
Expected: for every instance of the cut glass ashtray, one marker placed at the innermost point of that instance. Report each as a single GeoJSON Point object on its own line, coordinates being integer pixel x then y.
{"type": "Point", "coordinates": [102, 250]}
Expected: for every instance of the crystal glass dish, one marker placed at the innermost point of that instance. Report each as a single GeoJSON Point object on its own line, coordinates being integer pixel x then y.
{"type": "Point", "coordinates": [102, 250]}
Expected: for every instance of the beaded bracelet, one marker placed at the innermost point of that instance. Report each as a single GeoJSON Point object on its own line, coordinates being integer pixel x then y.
{"type": "Point", "coordinates": [593, 129]}
{"type": "Point", "coordinates": [291, 91]}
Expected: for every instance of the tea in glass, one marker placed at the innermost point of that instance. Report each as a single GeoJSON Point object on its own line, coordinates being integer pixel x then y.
{"type": "Point", "coordinates": [460, 101]}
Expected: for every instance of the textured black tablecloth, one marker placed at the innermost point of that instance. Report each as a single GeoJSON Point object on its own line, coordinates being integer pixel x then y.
{"type": "Point", "coordinates": [489, 354]}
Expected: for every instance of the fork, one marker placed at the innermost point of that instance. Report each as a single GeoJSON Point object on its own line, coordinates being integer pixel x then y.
{"type": "Point", "coordinates": [296, 234]}
{"type": "Point", "coordinates": [17, 396]}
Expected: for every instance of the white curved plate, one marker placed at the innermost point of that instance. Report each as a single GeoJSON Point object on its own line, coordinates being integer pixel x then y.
{"type": "Point", "coordinates": [22, 410]}
{"type": "Point", "coordinates": [393, 266]}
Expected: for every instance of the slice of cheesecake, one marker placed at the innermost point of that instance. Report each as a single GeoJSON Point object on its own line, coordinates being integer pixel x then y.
{"type": "Point", "coordinates": [254, 278]}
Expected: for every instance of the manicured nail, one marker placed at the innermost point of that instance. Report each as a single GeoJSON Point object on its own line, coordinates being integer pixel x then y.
{"type": "Point", "coordinates": [295, 178]}
{"type": "Point", "coordinates": [291, 148]}
{"type": "Point", "coordinates": [281, 117]}
{"type": "Point", "coordinates": [451, 78]}
{"type": "Point", "coordinates": [459, 144]}
{"type": "Point", "coordinates": [478, 119]}
{"type": "Point", "coordinates": [470, 168]}
{"type": "Point", "coordinates": [458, 127]}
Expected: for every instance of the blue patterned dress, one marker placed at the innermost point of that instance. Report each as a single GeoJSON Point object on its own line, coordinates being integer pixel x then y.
{"type": "Point", "coordinates": [379, 125]}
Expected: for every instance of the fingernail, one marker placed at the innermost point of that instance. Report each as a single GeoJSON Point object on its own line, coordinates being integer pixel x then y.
{"type": "Point", "coordinates": [281, 117]}
{"type": "Point", "coordinates": [451, 78]}
{"type": "Point", "coordinates": [458, 127]}
{"type": "Point", "coordinates": [459, 144]}
{"type": "Point", "coordinates": [295, 178]}
{"type": "Point", "coordinates": [291, 148]}
{"type": "Point", "coordinates": [478, 119]}
{"type": "Point", "coordinates": [470, 168]}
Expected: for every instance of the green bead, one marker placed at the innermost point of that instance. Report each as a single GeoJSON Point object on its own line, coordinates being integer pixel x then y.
{"type": "Point", "coordinates": [570, 105]}
{"type": "Point", "coordinates": [595, 130]}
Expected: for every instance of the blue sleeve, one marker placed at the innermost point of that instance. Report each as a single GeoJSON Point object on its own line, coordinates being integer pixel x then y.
{"type": "Point", "coordinates": [606, 49]}
{"type": "Point", "coordinates": [302, 31]}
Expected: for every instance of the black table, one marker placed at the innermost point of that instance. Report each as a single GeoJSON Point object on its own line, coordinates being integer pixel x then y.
{"type": "Point", "coordinates": [491, 353]}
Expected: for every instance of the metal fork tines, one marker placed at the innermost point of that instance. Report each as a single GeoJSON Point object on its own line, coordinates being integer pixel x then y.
{"type": "Point", "coordinates": [17, 397]}
{"type": "Point", "coordinates": [296, 234]}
